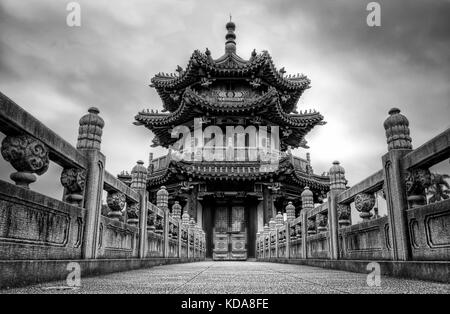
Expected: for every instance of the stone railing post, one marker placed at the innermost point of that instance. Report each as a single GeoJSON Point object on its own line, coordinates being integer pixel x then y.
{"type": "Point", "coordinates": [307, 204]}
{"type": "Point", "coordinates": [288, 239]}
{"type": "Point", "coordinates": [176, 214]}
{"type": "Point", "coordinates": [139, 183]}
{"type": "Point", "coordinates": [89, 140]}
{"type": "Point", "coordinates": [266, 235]}
{"type": "Point", "coordinates": [162, 201]}
{"type": "Point", "coordinates": [337, 186]}
{"type": "Point", "coordinates": [399, 144]}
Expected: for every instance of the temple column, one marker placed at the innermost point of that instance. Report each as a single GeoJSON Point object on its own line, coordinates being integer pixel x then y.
{"type": "Point", "coordinates": [260, 215]}
{"type": "Point", "coordinates": [199, 212]}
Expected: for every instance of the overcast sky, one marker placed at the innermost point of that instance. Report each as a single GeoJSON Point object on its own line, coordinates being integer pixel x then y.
{"type": "Point", "coordinates": [358, 73]}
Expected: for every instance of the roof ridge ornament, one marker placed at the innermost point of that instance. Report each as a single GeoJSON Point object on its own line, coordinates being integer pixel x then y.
{"type": "Point", "coordinates": [230, 37]}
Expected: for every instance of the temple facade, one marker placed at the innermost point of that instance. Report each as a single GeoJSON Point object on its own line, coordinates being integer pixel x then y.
{"type": "Point", "coordinates": [229, 125]}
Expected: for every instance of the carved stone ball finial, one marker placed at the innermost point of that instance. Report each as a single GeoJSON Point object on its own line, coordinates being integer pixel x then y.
{"type": "Point", "coordinates": [162, 198]}
{"type": "Point", "coordinates": [364, 202]}
{"type": "Point", "coordinates": [290, 212]}
{"type": "Point", "coordinates": [307, 199]}
{"type": "Point", "coordinates": [176, 210]}
{"type": "Point", "coordinates": [27, 155]}
{"type": "Point", "coordinates": [185, 219]}
{"type": "Point", "coordinates": [139, 176]}
{"type": "Point", "coordinates": [90, 130]}
{"type": "Point", "coordinates": [279, 220]}
{"type": "Point", "coordinates": [337, 177]}
{"type": "Point", "coordinates": [397, 130]}
{"type": "Point", "coordinates": [272, 224]}
{"type": "Point", "coordinates": [230, 37]}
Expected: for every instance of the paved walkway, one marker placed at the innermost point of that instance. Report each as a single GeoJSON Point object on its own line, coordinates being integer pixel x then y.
{"type": "Point", "coordinates": [237, 277]}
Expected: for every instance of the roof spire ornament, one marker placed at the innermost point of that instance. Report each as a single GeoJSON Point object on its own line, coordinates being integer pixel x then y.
{"type": "Point", "coordinates": [230, 43]}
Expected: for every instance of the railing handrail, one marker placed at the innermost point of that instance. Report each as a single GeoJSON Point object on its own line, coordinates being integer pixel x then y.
{"type": "Point", "coordinates": [14, 120]}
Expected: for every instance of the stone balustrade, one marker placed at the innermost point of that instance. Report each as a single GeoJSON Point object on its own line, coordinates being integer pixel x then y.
{"type": "Point", "coordinates": [37, 227]}
{"type": "Point", "coordinates": [415, 229]}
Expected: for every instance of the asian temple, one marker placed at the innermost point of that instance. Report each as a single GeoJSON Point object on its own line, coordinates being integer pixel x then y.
{"type": "Point", "coordinates": [232, 198]}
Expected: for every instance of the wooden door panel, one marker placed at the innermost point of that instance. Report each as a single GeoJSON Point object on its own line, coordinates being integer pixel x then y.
{"type": "Point", "coordinates": [238, 236]}
{"type": "Point", "coordinates": [221, 238]}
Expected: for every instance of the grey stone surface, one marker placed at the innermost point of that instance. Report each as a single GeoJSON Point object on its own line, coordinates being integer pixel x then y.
{"type": "Point", "coordinates": [237, 277]}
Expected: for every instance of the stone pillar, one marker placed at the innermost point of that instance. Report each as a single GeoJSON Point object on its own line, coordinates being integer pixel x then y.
{"type": "Point", "coordinates": [307, 205]}
{"type": "Point", "coordinates": [266, 235]}
{"type": "Point", "coordinates": [399, 144]}
{"type": "Point", "coordinates": [139, 183]}
{"type": "Point", "coordinates": [89, 140]}
{"type": "Point", "coordinates": [288, 239]}
{"type": "Point", "coordinates": [162, 201]}
{"type": "Point", "coordinates": [337, 186]}
{"type": "Point", "coordinates": [27, 155]}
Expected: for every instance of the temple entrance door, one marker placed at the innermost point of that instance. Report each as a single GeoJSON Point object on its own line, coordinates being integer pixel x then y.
{"type": "Point", "coordinates": [229, 233]}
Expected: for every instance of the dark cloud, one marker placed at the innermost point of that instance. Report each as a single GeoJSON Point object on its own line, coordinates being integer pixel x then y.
{"type": "Point", "coordinates": [357, 72]}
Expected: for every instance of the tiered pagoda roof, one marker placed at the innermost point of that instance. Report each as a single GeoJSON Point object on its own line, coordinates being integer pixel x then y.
{"type": "Point", "coordinates": [290, 169]}
{"type": "Point", "coordinates": [251, 91]}
{"type": "Point", "coordinates": [271, 98]}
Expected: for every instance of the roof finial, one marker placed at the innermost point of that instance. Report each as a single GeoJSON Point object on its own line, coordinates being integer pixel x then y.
{"type": "Point", "coordinates": [230, 44]}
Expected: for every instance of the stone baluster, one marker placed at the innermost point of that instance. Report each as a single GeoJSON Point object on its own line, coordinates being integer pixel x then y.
{"type": "Point", "coordinates": [399, 145]}
{"type": "Point", "coordinates": [27, 155]}
{"type": "Point", "coordinates": [364, 202]}
{"type": "Point", "coordinates": [116, 203]}
{"type": "Point", "coordinates": [88, 143]}
{"type": "Point", "coordinates": [344, 215]}
{"type": "Point", "coordinates": [73, 181]}
{"type": "Point", "coordinates": [311, 226]}
{"type": "Point", "coordinates": [322, 221]}
{"type": "Point", "coordinates": [138, 212]}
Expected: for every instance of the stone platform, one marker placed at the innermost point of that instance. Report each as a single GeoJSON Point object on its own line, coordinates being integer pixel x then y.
{"type": "Point", "coordinates": [238, 277]}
